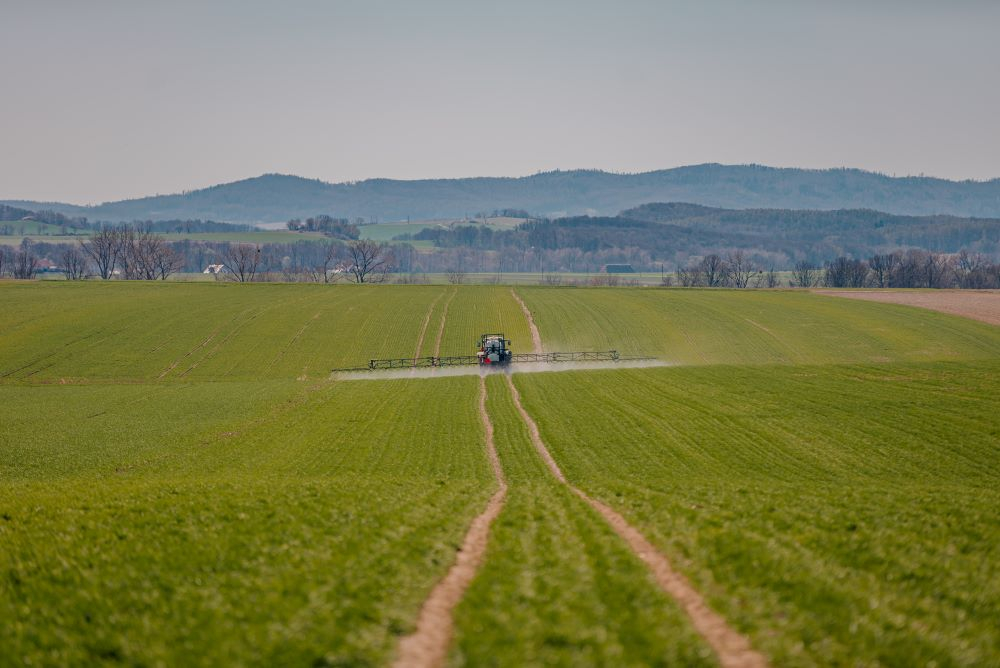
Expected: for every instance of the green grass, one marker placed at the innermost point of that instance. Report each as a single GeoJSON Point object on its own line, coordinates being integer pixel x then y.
{"type": "Point", "coordinates": [180, 481]}
{"type": "Point", "coordinates": [219, 331]}
{"type": "Point", "coordinates": [559, 588]}
{"type": "Point", "coordinates": [751, 327]}
{"type": "Point", "coordinates": [304, 530]}
{"type": "Point", "coordinates": [837, 514]}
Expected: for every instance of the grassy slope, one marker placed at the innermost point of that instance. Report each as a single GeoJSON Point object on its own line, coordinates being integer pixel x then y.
{"type": "Point", "coordinates": [209, 525]}
{"type": "Point", "coordinates": [138, 331]}
{"type": "Point", "coordinates": [132, 499]}
{"type": "Point", "coordinates": [226, 511]}
{"type": "Point", "coordinates": [839, 514]}
{"type": "Point", "coordinates": [751, 327]}
{"type": "Point", "coordinates": [558, 587]}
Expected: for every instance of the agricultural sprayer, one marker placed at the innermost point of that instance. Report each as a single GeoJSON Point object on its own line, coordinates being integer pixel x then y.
{"type": "Point", "coordinates": [492, 350]}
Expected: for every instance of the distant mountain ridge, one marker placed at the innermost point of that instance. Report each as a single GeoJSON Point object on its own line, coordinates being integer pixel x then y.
{"type": "Point", "coordinates": [277, 197]}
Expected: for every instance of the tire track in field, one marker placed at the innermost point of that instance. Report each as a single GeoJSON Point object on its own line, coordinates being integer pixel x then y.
{"type": "Point", "coordinates": [428, 645]}
{"type": "Point", "coordinates": [536, 338]}
{"type": "Point", "coordinates": [211, 337]}
{"type": "Point", "coordinates": [732, 648]}
{"type": "Point", "coordinates": [427, 321]}
{"type": "Point", "coordinates": [291, 344]}
{"type": "Point", "coordinates": [444, 318]}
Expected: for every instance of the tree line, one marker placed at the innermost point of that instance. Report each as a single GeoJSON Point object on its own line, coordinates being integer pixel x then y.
{"type": "Point", "coordinates": [126, 253]}
{"type": "Point", "coordinates": [338, 228]}
{"type": "Point", "coordinates": [672, 233]}
{"type": "Point", "coordinates": [899, 269]}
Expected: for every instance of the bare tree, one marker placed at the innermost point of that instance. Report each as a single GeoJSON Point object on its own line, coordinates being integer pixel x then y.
{"type": "Point", "coordinates": [739, 269]}
{"type": "Point", "coordinates": [74, 263]}
{"type": "Point", "coordinates": [242, 262]}
{"type": "Point", "coordinates": [846, 273]}
{"type": "Point", "coordinates": [767, 279]}
{"type": "Point", "coordinates": [325, 269]}
{"type": "Point", "coordinates": [25, 264]}
{"type": "Point", "coordinates": [6, 260]}
{"type": "Point", "coordinates": [690, 276]}
{"type": "Point", "coordinates": [128, 262]}
{"type": "Point", "coordinates": [713, 269]}
{"type": "Point", "coordinates": [882, 266]}
{"type": "Point", "coordinates": [167, 261]}
{"type": "Point", "coordinates": [938, 270]}
{"type": "Point", "coordinates": [973, 271]}
{"type": "Point", "coordinates": [104, 249]}
{"type": "Point", "coordinates": [371, 261]}
{"type": "Point", "coordinates": [804, 275]}
{"type": "Point", "coordinates": [456, 276]}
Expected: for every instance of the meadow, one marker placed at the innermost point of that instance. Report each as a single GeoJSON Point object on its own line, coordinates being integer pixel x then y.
{"type": "Point", "coordinates": [182, 480]}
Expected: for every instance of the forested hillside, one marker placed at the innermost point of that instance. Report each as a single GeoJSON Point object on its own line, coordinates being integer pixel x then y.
{"type": "Point", "coordinates": [673, 231]}
{"type": "Point", "coordinates": [274, 198]}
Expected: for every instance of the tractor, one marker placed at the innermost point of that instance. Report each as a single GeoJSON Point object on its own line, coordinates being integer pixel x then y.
{"type": "Point", "coordinates": [493, 349]}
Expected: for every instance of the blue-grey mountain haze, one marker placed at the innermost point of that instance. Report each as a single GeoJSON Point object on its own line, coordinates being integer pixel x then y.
{"type": "Point", "coordinates": [111, 99]}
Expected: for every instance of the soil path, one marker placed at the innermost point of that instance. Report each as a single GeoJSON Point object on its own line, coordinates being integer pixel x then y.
{"type": "Point", "coordinates": [732, 648]}
{"type": "Point", "coordinates": [423, 328]}
{"type": "Point", "coordinates": [444, 318]}
{"type": "Point", "coordinates": [536, 338]}
{"type": "Point", "coordinates": [428, 645]}
{"type": "Point", "coordinates": [983, 305]}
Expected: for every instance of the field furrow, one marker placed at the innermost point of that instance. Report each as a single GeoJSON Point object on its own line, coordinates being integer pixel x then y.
{"type": "Point", "coordinates": [824, 516]}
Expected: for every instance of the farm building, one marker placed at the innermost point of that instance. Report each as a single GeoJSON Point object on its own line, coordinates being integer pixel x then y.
{"type": "Point", "coordinates": [618, 269]}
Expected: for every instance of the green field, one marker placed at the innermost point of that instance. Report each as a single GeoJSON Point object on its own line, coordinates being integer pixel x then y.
{"type": "Point", "coordinates": [181, 480]}
{"type": "Point", "coordinates": [51, 234]}
{"type": "Point", "coordinates": [387, 231]}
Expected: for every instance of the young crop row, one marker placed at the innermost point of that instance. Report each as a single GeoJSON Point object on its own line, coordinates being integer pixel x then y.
{"type": "Point", "coordinates": [305, 528]}
{"type": "Point", "coordinates": [741, 327]}
{"type": "Point", "coordinates": [477, 310]}
{"type": "Point", "coordinates": [237, 332]}
{"type": "Point", "coordinates": [834, 514]}
{"type": "Point", "coordinates": [559, 587]}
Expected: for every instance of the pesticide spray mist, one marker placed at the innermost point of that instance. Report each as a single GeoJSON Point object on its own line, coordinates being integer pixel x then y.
{"type": "Point", "coordinates": [537, 367]}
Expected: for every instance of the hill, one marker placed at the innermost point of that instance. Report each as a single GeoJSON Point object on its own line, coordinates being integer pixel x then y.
{"type": "Point", "coordinates": [182, 482]}
{"type": "Point", "coordinates": [275, 197]}
{"type": "Point", "coordinates": [675, 229]}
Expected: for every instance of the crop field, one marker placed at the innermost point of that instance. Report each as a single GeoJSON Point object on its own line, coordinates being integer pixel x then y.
{"type": "Point", "coordinates": [841, 514]}
{"type": "Point", "coordinates": [53, 234]}
{"type": "Point", "coordinates": [754, 327]}
{"type": "Point", "coordinates": [182, 481]}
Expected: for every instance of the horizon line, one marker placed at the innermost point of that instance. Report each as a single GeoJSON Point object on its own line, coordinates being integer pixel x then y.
{"type": "Point", "coordinates": [596, 170]}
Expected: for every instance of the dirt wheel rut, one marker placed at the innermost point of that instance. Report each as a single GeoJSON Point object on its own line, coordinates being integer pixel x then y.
{"type": "Point", "coordinates": [536, 338]}
{"type": "Point", "coordinates": [428, 645]}
{"type": "Point", "coordinates": [732, 649]}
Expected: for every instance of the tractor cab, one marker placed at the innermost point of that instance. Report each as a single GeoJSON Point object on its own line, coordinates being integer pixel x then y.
{"type": "Point", "coordinates": [493, 349]}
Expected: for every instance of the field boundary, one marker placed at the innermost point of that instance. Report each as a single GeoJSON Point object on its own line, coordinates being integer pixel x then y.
{"type": "Point", "coordinates": [981, 305]}
{"type": "Point", "coordinates": [731, 647]}
{"type": "Point", "coordinates": [536, 338]}
{"type": "Point", "coordinates": [428, 645]}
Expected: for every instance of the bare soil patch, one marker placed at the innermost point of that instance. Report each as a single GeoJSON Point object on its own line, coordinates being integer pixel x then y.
{"type": "Point", "coordinates": [732, 648]}
{"type": "Point", "coordinates": [428, 645]}
{"type": "Point", "coordinates": [983, 305]}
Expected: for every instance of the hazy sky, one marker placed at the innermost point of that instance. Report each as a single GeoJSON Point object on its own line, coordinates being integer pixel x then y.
{"type": "Point", "coordinates": [104, 99]}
